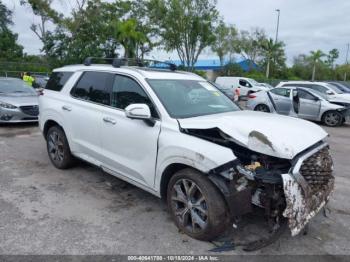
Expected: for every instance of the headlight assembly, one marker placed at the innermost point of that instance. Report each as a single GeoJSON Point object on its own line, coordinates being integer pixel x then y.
{"type": "Point", "coordinates": [6, 105]}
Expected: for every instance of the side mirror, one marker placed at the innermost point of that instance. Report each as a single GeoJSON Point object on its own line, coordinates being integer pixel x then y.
{"type": "Point", "coordinates": [329, 92]}
{"type": "Point", "coordinates": [138, 111]}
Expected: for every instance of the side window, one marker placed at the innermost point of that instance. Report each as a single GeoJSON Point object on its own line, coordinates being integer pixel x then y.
{"type": "Point", "coordinates": [244, 83]}
{"type": "Point", "coordinates": [127, 91]}
{"type": "Point", "coordinates": [305, 95]}
{"type": "Point", "coordinates": [281, 91]}
{"type": "Point", "coordinates": [58, 80]}
{"type": "Point", "coordinates": [320, 89]}
{"type": "Point", "coordinates": [92, 87]}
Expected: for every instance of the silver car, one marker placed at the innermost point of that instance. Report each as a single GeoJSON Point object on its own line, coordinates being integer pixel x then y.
{"type": "Point", "coordinates": [18, 101]}
{"type": "Point", "coordinates": [300, 102]}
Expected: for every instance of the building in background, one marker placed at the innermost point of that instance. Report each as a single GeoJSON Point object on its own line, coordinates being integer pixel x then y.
{"type": "Point", "coordinates": [212, 67]}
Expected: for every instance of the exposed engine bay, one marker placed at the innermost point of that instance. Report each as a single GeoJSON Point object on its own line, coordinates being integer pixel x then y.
{"type": "Point", "coordinates": [286, 189]}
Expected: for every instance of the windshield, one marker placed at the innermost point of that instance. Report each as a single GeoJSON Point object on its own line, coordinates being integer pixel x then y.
{"type": "Point", "coordinates": [190, 98]}
{"type": "Point", "coordinates": [334, 88]}
{"type": "Point", "coordinates": [340, 87]}
{"type": "Point", "coordinates": [254, 83]}
{"type": "Point", "coordinates": [10, 86]}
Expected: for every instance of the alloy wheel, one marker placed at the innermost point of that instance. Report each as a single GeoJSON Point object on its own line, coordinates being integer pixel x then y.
{"type": "Point", "coordinates": [189, 205]}
{"type": "Point", "coordinates": [56, 147]}
{"type": "Point", "coordinates": [262, 108]}
{"type": "Point", "coordinates": [332, 119]}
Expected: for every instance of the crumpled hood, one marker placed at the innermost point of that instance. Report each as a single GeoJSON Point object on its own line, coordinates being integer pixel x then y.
{"type": "Point", "coordinates": [343, 98]}
{"type": "Point", "coordinates": [269, 134]}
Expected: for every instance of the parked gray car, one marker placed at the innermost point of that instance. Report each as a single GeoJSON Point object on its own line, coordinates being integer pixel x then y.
{"type": "Point", "coordinates": [18, 101]}
{"type": "Point", "coordinates": [300, 102]}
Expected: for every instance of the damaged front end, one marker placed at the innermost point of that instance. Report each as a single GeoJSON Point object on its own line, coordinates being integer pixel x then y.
{"type": "Point", "coordinates": [294, 189]}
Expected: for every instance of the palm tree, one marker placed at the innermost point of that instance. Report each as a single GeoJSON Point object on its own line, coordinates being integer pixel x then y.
{"type": "Point", "coordinates": [126, 33]}
{"type": "Point", "coordinates": [315, 58]}
{"type": "Point", "coordinates": [271, 51]}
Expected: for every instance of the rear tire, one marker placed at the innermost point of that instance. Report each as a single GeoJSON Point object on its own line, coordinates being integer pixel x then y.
{"type": "Point", "coordinates": [262, 108]}
{"type": "Point", "coordinates": [58, 148]}
{"type": "Point", "coordinates": [196, 205]}
{"type": "Point", "coordinates": [332, 118]}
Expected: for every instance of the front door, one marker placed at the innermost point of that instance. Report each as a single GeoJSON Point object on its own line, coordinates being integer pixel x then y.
{"type": "Point", "coordinates": [129, 145]}
{"type": "Point", "coordinates": [309, 105]}
{"type": "Point", "coordinates": [281, 99]}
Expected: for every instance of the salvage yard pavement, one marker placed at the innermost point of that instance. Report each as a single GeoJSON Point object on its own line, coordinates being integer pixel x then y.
{"type": "Point", "coordinates": [83, 210]}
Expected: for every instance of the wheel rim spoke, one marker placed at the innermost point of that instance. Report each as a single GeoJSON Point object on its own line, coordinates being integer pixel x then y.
{"type": "Point", "coordinates": [197, 220]}
{"type": "Point", "coordinates": [56, 147]}
{"type": "Point", "coordinates": [189, 205]}
{"type": "Point", "coordinates": [180, 194]}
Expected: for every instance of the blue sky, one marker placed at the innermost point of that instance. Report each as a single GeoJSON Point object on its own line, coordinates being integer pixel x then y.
{"type": "Point", "coordinates": [304, 24]}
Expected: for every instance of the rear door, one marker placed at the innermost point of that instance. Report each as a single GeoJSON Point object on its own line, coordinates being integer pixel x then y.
{"type": "Point", "coordinates": [129, 145]}
{"type": "Point", "coordinates": [309, 105]}
{"type": "Point", "coordinates": [83, 114]}
{"type": "Point", "coordinates": [281, 99]}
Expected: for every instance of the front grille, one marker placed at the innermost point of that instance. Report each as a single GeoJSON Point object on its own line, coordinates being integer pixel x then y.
{"type": "Point", "coordinates": [30, 110]}
{"type": "Point", "coordinates": [317, 170]}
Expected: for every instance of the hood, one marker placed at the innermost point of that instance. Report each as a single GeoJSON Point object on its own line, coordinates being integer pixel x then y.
{"type": "Point", "coordinates": [270, 134]}
{"type": "Point", "coordinates": [343, 98]}
{"type": "Point", "coordinates": [19, 99]}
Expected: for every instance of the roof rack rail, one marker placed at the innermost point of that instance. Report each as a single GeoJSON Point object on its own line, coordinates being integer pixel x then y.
{"type": "Point", "coordinates": [118, 62]}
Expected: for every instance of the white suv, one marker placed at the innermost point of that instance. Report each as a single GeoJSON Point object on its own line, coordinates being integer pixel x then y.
{"type": "Point", "coordinates": [176, 136]}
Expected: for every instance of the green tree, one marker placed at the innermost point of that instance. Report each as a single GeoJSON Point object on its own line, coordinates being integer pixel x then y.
{"type": "Point", "coordinates": [249, 44]}
{"type": "Point", "coordinates": [332, 56]}
{"type": "Point", "coordinates": [221, 44]}
{"type": "Point", "coordinates": [128, 36]}
{"type": "Point", "coordinates": [9, 48]}
{"type": "Point", "coordinates": [272, 52]}
{"type": "Point", "coordinates": [185, 26]}
{"type": "Point", "coordinates": [315, 57]}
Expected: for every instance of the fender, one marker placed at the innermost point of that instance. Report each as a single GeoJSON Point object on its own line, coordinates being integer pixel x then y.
{"type": "Point", "coordinates": [190, 151]}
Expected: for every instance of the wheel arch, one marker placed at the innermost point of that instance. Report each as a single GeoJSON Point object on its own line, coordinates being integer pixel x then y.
{"type": "Point", "coordinates": [48, 124]}
{"type": "Point", "coordinates": [168, 172]}
{"type": "Point", "coordinates": [262, 104]}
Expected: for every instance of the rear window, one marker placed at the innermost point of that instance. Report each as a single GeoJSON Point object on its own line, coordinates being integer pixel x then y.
{"type": "Point", "coordinates": [58, 80]}
{"type": "Point", "coordinates": [92, 86]}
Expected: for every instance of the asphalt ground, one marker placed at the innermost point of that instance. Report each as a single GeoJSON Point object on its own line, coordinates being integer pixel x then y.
{"type": "Point", "coordinates": [84, 211]}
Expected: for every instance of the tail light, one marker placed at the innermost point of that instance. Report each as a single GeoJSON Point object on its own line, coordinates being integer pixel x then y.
{"type": "Point", "coordinates": [40, 92]}
{"type": "Point", "coordinates": [252, 96]}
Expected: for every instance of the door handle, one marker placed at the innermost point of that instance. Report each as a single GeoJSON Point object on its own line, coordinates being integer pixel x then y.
{"type": "Point", "coordinates": [109, 120]}
{"type": "Point", "coordinates": [66, 108]}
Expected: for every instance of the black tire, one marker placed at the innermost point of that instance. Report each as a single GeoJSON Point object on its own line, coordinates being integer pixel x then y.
{"type": "Point", "coordinates": [212, 209]}
{"type": "Point", "coordinates": [262, 108]}
{"type": "Point", "coordinates": [58, 148]}
{"type": "Point", "coordinates": [332, 118]}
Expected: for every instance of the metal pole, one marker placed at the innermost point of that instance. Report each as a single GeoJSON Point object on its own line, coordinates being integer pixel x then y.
{"type": "Point", "coordinates": [346, 61]}
{"type": "Point", "coordinates": [278, 23]}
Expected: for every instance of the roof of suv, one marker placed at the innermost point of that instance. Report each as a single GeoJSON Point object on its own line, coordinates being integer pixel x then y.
{"type": "Point", "coordinates": [144, 72]}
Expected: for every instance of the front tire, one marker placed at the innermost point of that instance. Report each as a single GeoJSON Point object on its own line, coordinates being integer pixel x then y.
{"type": "Point", "coordinates": [332, 118]}
{"type": "Point", "coordinates": [262, 108]}
{"type": "Point", "coordinates": [196, 205]}
{"type": "Point", "coordinates": [58, 148]}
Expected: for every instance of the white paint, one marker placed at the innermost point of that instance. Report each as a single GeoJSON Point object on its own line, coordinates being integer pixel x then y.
{"type": "Point", "coordinates": [288, 136]}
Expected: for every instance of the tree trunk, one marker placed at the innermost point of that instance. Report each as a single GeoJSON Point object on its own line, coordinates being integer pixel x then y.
{"type": "Point", "coordinates": [268, 69]}
{"type": "Point", "coordinates": [313, 72]}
